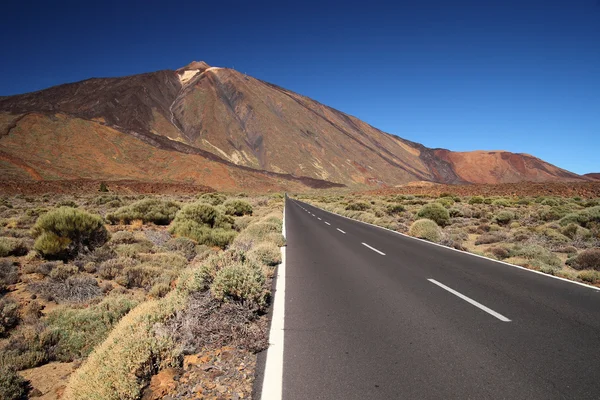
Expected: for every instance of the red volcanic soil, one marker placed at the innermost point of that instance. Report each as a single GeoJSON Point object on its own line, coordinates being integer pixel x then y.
{"type": "Point", "coordinates": [593, 175]}
{"type": "Point", "coordinates": [83, 186]}
{"type": "Point", "coordinates": [562, 189]}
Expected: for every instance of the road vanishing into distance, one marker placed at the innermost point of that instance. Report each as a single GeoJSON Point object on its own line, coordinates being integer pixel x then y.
{"type": "Point", "coordinates": [371, 314]}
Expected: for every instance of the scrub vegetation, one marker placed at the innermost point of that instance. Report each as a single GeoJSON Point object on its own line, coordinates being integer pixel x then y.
{"type": "Point", "coordinates": [126, 286]}
{"type": "Point", "coordinates": [557, 235]}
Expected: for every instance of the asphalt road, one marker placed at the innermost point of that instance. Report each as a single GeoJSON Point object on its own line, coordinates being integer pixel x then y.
{"type": "Point", "coordinates": [364, 320]}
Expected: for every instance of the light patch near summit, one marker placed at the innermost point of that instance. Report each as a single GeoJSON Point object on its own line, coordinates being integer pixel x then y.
{"type": "Point", "coordinates": [187, 75]}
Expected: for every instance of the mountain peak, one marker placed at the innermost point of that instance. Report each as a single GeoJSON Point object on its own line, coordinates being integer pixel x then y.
{"type": "Point", "coordinates": [197, 65]}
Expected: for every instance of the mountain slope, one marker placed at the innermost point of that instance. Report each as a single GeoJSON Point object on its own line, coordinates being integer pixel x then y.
{"type": "Point", "coordinates": [593, 175]}
{"type": "Point", "coordinates": [227, 117]}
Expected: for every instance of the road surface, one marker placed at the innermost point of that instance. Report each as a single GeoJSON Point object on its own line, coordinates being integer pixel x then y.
{"type": "Point", "coordinates": [370, 314]}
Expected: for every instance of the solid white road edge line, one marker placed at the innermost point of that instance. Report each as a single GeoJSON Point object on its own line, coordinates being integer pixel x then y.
{"type": "Point", "coordinates": [341, 231]}
{"type": "Point", "coordinates": [272, 387]}
{"type": "Point", "coordinates": [326, 222]}
{"type": "Point", "coordinates": [374, 249]}
{"type": "Point", "coordinates": [465, 252]}
{"type": "Point", "coordinates": [469, 300]}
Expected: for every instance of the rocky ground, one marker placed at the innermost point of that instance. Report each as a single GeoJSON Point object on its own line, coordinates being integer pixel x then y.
{"type": "Point", "coordinates": [224, 373]}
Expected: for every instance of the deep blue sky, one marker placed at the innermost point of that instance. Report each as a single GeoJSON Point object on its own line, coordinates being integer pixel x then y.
{"type": "Point", "coordinates": [522, 76]}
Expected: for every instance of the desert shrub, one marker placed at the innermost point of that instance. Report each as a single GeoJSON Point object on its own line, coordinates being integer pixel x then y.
{"type": "Point", "coordinates": [123, 237]}
{"type": "Point", "coordinates": [242, 223]}
{"type": "Point", "coordinates": [78, 331]}
{"type": "Point", "coordinates": [358, 206]}
{"type": "Point", "coordinates": [164, 260]}
{"type": "Point", "coordinates": [549, 202]}
{"type": "Point", "coordinates": [504, 217]}
{"type": "Point", "coordinates": [12, 385]}
{"type": "Point", "coordinates": [111, 268]}
{"type": "Point", "coordinates": [160, 289]}
{"type": "Point", "coordinates": [492, 237]}
{"type": "Point", "coordinates": [9, 314]}
{"type": "Point", "coordinates": [501, 203]}
{"type": "Point", "coordinates": [65, 232]}
{"type": "Point", "coordinates": [106, 198]}
{"type": "Point", "coordinates": [159, 212]}
{"type": "Point", "coordinates": [573, 231]}
{"type": "Point", "coordinates": [585, 218]}
{"type": "Point", "coordinates": [476, 200]}
{"type": "Point", "coordinates": [12, 247]}
{"type": "Point", "coordinates": [590, 276]}
{"type": "Point", "coordinates": [499, 252]}
{"type": "Point", "coordinates": [140, 276]}
{"type": "Point", "coordinates": [553, 236]}
{"type": "Point", "coordinates": [587, 259]}
{"type": "Point", "coordinates": [240, 282]}
{"type": "Point", "coordinates": [435, 212]}
{"type": "Point", "coordinates": [119, 367]}
{"type": "Point", "coordinates": [393, 209]}
{"type": "Point", "coordinates": [213, 198]}
{"type": "Point", "coordinates": [132, 250]}
{"type": "Point", "coordinates": [8, 274]}
{"type": "Point", "coordinates": [63, 271]}
{"type": "Point", "coordinates": [75, 289]}
{"type": "Point", "coordinates": [203, 234]}
{"type": "Point", "coordinates": [456, 213]}
{"type": "Point", "coordinates": [445, 201]}
{"type": "Point", "coordinates": [265, 253]}
{"type": "Point", "coordinates": [553, 213]}
{"type": "Point", "coordinates": [67, 203]}
{"type": "Point", "coordinates": [539, 253]}
{"type": "Point", "coordinates": [425, 229]}
{"type": "Point", "coordinates": [185, 246]}
{"type": "Point", "coordinates": [237, 208]}
{"type": "Point", "coordinates": [203, 214]}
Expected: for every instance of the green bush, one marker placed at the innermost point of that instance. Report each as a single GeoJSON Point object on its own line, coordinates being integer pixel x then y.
{"type": "Point", "coordinates": [65, 232]}
{"type": "Point", "coordinates": [123, 237]}
{"type": "Point", "coordinates": [549, 202]}
{"type": "Point", "coordinates": [501, 203]}
{"type": "Point", "coordinates": [63, 271]}
{"type": "Point", "coordinates": [157, 211]}
{"type": "Point", "coordinates": [265, 253]}
{"type": "Point", "coordinates": [110, 269]}
{"type": "Point", "coordinates": [573, 231]}
{"type": "Point", "coordinates": [12, 247]}
{"type": "Point", "coordinates": [426, 229]}
{"type": "Point", "coordinates": [213, 198]}
{"type": "Point", "coordinates": [435, 212]}
{"type": "Point", "coordinates": [553, 213]}
{"type": "Point", "coordinates": [203, 234]}
{"type": "Point", "coordinates": [447, 202]}
{"type": "Point", "coordinates": [590, 276]}
{"type": "Point", "coordinates": [12, 386]}
{"type": "Point", "coordinates": [476, 200]}
{"type": "Point", "coordinates": [203, 214]}
{"type": "Point", "coordinates": [358, 206]}
{"type": "Point", "coordinates": [240, 282]}
{"type": "Point", "coordinates": [539, 253]}
{"type": "Point", "coordinates": [587, 259]}
{"type": "Point", "coordinates": [237, 208]}
{"type": "Point", "coordinates": [133, 249]}
{"type": "Point", "coordinates": [504, 217]}
{"type": "Point", "coordinates": [393, 209]}
{"type": "Point", "coordinates": [78, 331]}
